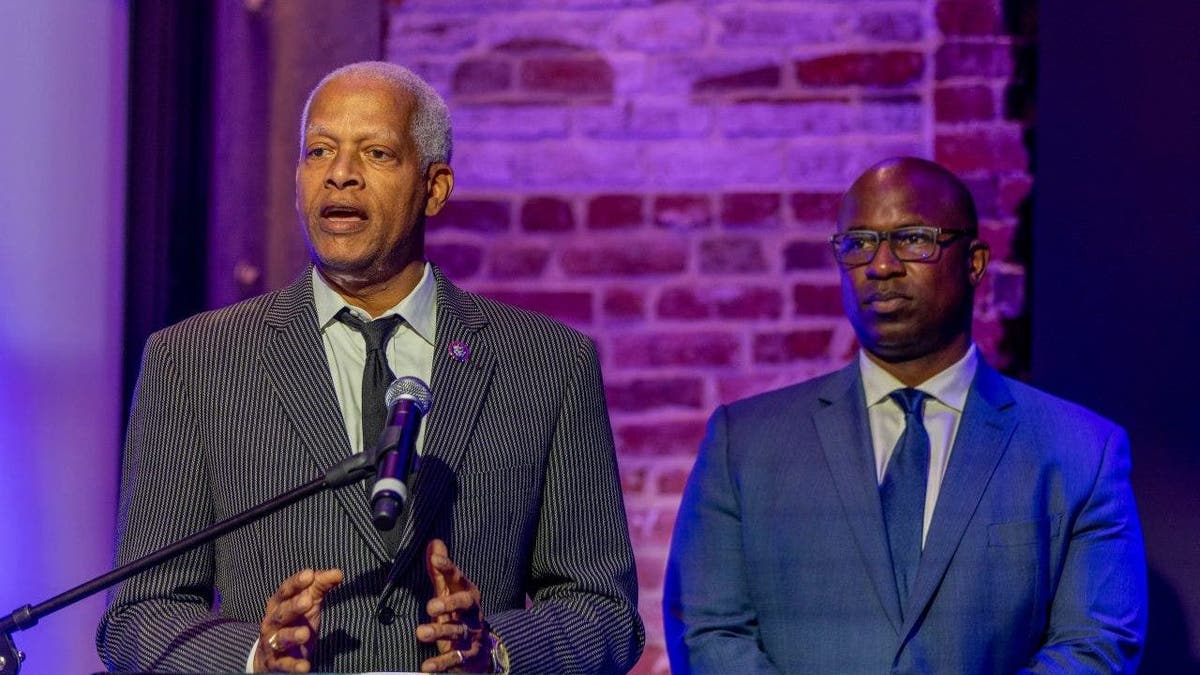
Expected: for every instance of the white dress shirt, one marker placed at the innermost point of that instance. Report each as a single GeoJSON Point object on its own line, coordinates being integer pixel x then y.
{"type": "Point", "coordinates": [943, 410]}
{"type": "Point", "coordinates": [409, 350]}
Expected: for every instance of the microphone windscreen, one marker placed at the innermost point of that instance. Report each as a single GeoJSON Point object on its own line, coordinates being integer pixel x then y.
{"type": "Point", "coordinates": [411, 388]}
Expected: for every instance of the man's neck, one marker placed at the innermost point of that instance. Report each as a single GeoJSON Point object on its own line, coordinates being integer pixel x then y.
{"type": "Point", "coordinates": [913, 372]}
{"type": "Point", "coordinates": [376, 297]}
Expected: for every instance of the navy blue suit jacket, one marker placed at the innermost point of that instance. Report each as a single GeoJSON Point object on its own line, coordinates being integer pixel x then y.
{"type": "Point", "coordinates": [1033, 560]}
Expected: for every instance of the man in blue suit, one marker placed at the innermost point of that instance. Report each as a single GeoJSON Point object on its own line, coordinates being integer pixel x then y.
{"type": "Point", "coordinates": [914, 512]}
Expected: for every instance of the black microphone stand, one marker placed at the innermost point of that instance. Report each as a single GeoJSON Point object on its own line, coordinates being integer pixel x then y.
{"type": "Point", "coordinates": [350, 470]}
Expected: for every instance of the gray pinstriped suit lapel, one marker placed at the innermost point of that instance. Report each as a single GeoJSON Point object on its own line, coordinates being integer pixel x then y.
{"type": "Point", "coordinates": [459, 390]}
{"type": "Point", "coordinates": [295, 362]}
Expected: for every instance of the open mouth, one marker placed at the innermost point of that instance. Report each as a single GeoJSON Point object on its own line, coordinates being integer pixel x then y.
{"type": "Point", "coordinates": [343, 212]}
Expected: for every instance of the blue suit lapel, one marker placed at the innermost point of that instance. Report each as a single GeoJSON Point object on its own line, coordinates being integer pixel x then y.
{"type": "Point", "coordinates": [987, 424]}
{"type": "Point", "coordinates": [845, 436]}
{"type": "Point", "coordinates": [459, 389]}
{"type": "Point", "coordinates": [295, 363]}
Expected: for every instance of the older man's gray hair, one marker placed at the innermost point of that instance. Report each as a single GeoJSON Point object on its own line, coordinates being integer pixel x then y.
{"type": "Point", "coordinates": [430, 119]}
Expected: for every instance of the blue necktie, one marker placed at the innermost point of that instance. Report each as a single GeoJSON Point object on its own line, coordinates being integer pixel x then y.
{"type": "Point", "coordinates": [902, 491]}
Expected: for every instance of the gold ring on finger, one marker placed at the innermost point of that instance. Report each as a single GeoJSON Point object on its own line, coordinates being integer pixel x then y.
{"type": "Point", "coordinates": [461, 659]}
{"type": "Point", "coordinates": [273, 642]}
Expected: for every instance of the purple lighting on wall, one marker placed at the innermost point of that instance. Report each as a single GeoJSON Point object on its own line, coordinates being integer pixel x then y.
{"type": "Point", "coordinates": [61, 262]}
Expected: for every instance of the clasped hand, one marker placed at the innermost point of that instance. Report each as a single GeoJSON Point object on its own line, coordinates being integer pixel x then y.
{"type": "Point", "coordinates": [290, 625]}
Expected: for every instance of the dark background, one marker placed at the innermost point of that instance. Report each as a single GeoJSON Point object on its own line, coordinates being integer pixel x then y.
{"type": "Point", "coordinates": [1115, 244]}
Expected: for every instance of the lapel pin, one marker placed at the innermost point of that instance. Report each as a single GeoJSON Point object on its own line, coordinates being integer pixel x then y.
{"type": "Point", "coordinates": [460, 351]}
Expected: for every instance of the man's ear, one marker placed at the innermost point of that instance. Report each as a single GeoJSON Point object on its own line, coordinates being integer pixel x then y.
{"type": "Point", "coordinates": [978, 256]}
{"type": "Point", "coordinates": [439, 183]}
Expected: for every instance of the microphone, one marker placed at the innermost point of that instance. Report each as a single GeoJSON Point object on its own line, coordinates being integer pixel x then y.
{"type": "Point", "coordinates": [408, 400]}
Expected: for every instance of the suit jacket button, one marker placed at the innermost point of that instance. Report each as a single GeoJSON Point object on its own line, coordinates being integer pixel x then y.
{"type": "Point", "coordinates": [386, 615]}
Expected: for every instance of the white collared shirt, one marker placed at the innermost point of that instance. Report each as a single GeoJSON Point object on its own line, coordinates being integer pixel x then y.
{"type": "Point", "coordinates": [943, 411]}
{"type": "Point", "coordinates": [409, 350]}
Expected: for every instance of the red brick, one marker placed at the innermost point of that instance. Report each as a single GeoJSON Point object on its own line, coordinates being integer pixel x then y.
{"type": "Point", "coordinates": [807, 255]}
{"type": "Point", "coordinates": [737, 387]}
{"type": "Point", "coordinates": [1013, 192]}
{"type": "Point", "coordinates": [683, 211]}
{"type": "Point", "coordinates": [891, 26]}
{"type": "Point", "coordinates": [547, 214]}
{"type": "Point", "coordinates": [973, 59]}
{"type": "Point", "coordinates": [682, 303]}
{"type": "Point", "coordinates": [985, 150]}
{"type": "Point", "coordinates": [984, 193]}
{"type": "Point", "coordinates": [654, 659]}
{"type": "Point", "coordinates": [764, 77]}
{"type": "Point", "coordinates": [517, 262]}
{"type": "Point", "coordinates": [626, 259]}
{"type": "Point", "coordinates": [608, 212]}
{"type": "Point", "coordinates": [475, 215]}
{"type": "Point", "coordinates": [647, 526]}
{"type": "Point", "coordinates": [969, 17]}
{"type": "Point", "coordinates": [567, 76]}
{"type": "Point", "coordinates": [813, 300]}
{"type": "Point", "coordinates": [570, 306]}
{"type": "Point", "coordinates": [750, 303]}
{"type": "Point", "coordinates": [671, 481]}
{"type": "Point", "coordinates": [988, 334]}
{"type": "Point", "coordinates": [874, 69]}
{"type": "Point", "coordinates": [538, 45]}
{"type": "Point", "coordinates": [749, 27]}
{"type": "Point", "coordinates": [676, 349]}
{"type": "Point", "coordinates": [662, 526]}
{"type": "Point", "coordinates": [1000, 238]}
{"type": "Point", "coordinates": [815, 207]}
{"type": "Point", "coordinates": [624, 303]}
{"type": "Point", "coordinates": [731, 255]}
{"type": "Point", "coordinates": [650, 577]}
{"type": "Point", "coordinates": [473, 77]}
{"type": "Point", "coordinates": [751, 209]}
{"type": "Point", "coordinates": [1008, 290]}
{"type": "Point", "coordinates": [645, 394]}
{"type": "Point", "coordinates": [788, 346]}
{"type": "Point", "coordinates": [964, 104]}
{"type": "Point", "coordinates": [459, 261]}
{"type": "Point", "coordinates": [417, 35]}
{"type": "Point", "coordinates": [633, 478]}
{"type": "Point", "coordinates": [660, 438]}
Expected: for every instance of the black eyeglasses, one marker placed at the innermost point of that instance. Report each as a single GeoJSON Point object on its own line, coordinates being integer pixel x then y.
{"type": "Point", "coordinates": [917, 243]}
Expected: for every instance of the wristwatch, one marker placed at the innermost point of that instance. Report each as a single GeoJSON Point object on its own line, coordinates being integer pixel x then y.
{"type": "Point", "coordinates": [500, 662]}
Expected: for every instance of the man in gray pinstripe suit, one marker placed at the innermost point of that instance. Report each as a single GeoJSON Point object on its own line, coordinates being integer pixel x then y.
{"type": "Point", "coordinates": [516, 515]}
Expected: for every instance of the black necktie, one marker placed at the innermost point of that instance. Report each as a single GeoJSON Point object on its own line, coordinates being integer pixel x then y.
{"type": "Point", "coordinates": [376, 373]}
{"type": "Point", "coordinates": [902, 491]}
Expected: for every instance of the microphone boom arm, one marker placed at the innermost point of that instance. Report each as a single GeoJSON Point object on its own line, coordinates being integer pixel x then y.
{"type": "Point", "coordinates": [350, 470]}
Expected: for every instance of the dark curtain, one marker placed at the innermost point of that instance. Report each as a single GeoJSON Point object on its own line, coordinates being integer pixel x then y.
{"type": "Point", "coordinates": [216, 88]}
{"type": "Point", "coordinates": [168, 169]}
{"type": "Point", "coordinates": [1117, 229]}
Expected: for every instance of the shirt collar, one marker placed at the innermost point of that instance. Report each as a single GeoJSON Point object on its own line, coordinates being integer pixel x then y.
{"type": "Point", "coordinates": [949, 387]}
{"type": "Point", "coordinates": [418, 308]}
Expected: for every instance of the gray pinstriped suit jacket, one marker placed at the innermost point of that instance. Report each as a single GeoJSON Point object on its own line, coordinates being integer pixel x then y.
{"type": "Point", "coordinates": [518, 477]}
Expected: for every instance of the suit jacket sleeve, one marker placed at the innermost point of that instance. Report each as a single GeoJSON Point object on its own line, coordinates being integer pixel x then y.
{"type": "Point", "coordinates": [1098, 615]}
{"type": "Point", "coordinates": [710, 622]}
{"type": "Point", "coordinates": [583, 584]}
{"type": "Point", "coordinates": [162, 619]}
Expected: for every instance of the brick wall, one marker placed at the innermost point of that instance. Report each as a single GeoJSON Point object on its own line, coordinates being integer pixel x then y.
{"type": "Point", "coordinates": [663, 176]}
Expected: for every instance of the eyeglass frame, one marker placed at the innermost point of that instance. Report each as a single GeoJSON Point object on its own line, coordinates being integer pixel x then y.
{"type": "Point", "coordinates": [887, 236]}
